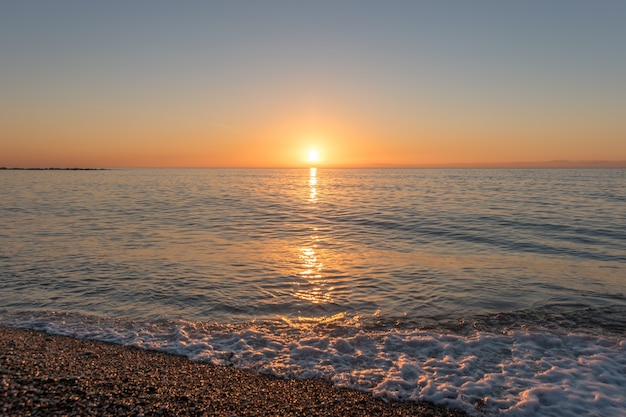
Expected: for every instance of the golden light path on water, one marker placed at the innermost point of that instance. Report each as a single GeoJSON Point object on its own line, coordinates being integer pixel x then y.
{"type": "Point", "coordinates": [313, 185]}
{"type": "Point", "coordinates": [314, 287]}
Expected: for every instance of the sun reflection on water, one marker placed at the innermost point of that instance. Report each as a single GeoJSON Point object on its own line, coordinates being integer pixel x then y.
{"type": "Point", "coordinates": [313, 185]}
{"type": "Point", "coordinates": [308, 322]}
{"type": "Point", "coordinates": [313, 285]}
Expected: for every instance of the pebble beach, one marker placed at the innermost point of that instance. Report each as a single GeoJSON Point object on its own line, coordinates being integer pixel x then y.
{"type": "Point", "coordinates": [50, 375]}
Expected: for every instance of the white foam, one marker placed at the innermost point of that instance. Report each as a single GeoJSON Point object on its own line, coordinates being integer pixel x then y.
{"type": "Point", "coordinates": [516, 374]}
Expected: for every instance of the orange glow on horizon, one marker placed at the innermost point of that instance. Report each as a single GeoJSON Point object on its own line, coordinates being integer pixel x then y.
{"type": "Point", "coordinates": [283, 145]}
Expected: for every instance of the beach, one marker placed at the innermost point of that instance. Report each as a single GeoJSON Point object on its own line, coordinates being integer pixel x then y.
{"type": "Point", "coordinates": [43, 374]}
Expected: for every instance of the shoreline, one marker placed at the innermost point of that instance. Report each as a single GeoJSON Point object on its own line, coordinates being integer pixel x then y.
{"type": "Point", "coordinates": [43, 374]}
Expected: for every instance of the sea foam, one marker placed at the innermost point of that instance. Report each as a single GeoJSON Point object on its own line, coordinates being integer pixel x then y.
{"type": "Point", "coordinates": [515, 374]}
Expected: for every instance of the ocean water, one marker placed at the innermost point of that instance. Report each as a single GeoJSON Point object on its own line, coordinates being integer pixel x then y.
{"type": "Point", "coordinates": [500, 292]}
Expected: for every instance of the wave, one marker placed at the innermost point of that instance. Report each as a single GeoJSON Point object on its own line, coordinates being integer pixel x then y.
{"type": "Point", "coordinates": [513, 373]}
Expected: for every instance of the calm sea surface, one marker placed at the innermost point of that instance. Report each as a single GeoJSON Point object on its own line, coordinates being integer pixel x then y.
{"type": "Point", "coordinates": [496, 291]}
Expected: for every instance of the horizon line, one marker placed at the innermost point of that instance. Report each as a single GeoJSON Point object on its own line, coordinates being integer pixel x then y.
{"type": "Point", "coordinates": [554, 164]}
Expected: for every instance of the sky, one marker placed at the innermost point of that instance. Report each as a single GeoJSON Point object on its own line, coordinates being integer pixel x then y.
{"type": "Point", "coordinates": [262, 83]}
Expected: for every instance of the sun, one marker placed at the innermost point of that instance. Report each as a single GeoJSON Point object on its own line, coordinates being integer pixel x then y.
{"type": "Point", "coordinates": [314, 155]}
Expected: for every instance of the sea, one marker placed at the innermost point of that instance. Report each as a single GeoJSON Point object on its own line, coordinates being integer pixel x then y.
{"type": "Point", "coordinates": [494, 291]}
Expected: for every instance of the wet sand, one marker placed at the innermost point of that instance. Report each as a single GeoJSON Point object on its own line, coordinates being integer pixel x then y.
{"type": "Point", "coordinates": [49, 375]}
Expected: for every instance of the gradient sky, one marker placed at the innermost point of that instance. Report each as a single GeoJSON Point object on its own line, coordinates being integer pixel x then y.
{"type": "Point", "coordinates": [259, 83]}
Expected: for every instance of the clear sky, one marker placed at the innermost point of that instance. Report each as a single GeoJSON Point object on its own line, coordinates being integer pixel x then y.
{"type": "Point", "coordinates": [261, 83]}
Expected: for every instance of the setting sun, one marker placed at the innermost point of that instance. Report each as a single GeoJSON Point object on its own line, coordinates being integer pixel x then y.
{"type": "Point", "coordinates": [314, 155]}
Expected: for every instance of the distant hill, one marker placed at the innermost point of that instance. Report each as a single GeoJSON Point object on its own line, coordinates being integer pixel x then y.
{"type": "Point", "coordinates": [54, 169]}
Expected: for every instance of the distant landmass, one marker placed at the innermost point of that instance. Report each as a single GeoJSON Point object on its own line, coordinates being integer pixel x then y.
{"type": "Point", "coordinates": [54, 169]}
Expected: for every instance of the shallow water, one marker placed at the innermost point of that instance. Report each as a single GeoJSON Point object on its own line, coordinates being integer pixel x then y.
{"type": "Point", "coordinates": [497, 291]}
